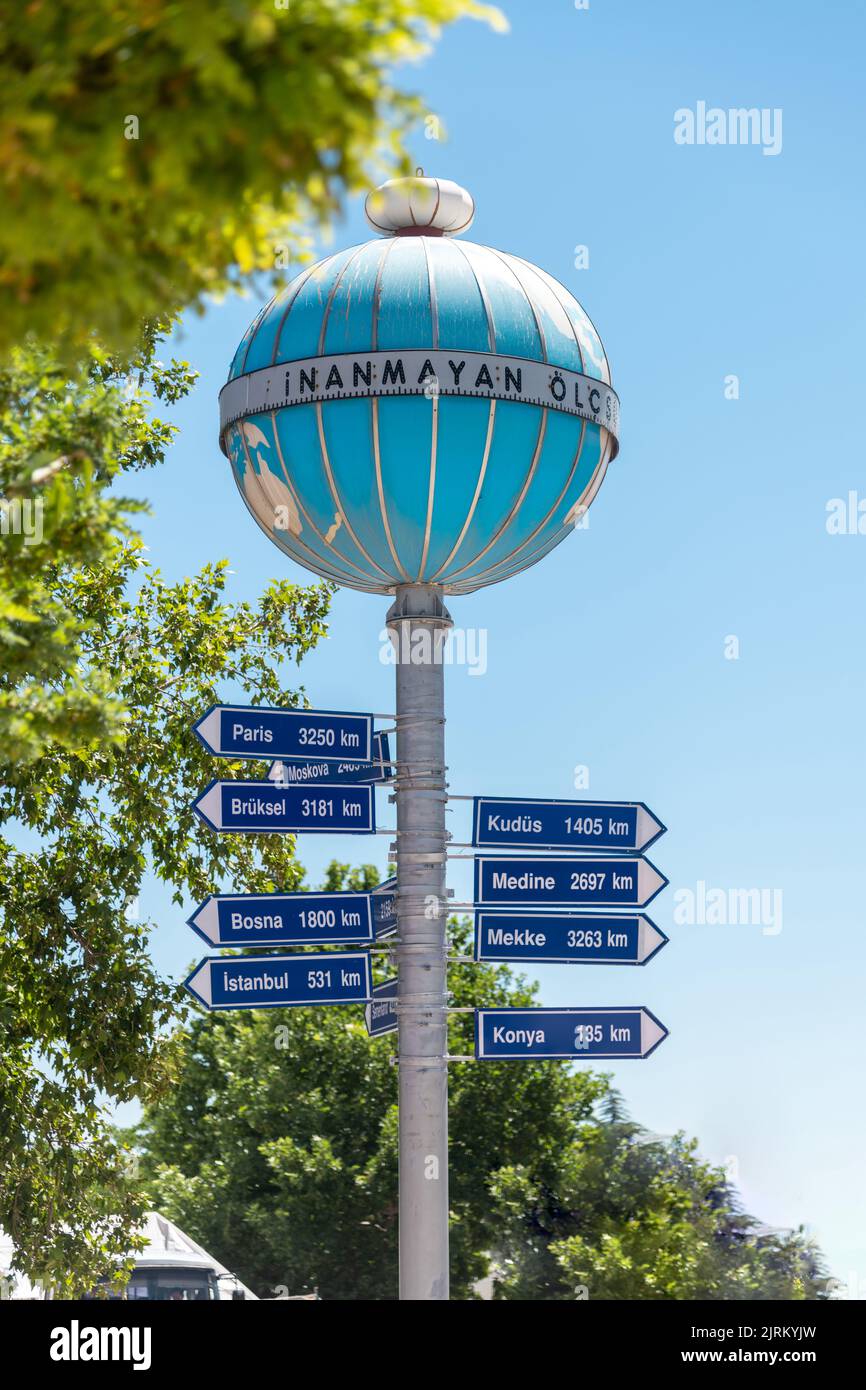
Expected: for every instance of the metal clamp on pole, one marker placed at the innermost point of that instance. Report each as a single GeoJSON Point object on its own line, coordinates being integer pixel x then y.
{"type": "Point", "coordinates": [449, 1057]}
{"type": "Point", "coordinates": [419, 947]}
{"type": "Point", "coordinates": [422, 854]}
{"type": "Point", "coordinates": [426, 998]}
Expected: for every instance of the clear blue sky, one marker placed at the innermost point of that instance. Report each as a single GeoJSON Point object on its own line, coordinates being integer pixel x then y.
{"type": "Point", "coordinates": [705, 261]}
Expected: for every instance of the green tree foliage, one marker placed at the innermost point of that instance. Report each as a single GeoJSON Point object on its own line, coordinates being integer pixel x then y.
{"type": "Point", "coordinates": [343, 877]}
{"type": "Point", "coordinates": [106, 666]}
{"type": "Point", "coordinates": [277, 1150]}
{"type": "Point", "coordinates": [63, 441]}
{"type": "Point", "coordinates": [637, 1217]}
{"type": "Point", "coordinates": [153, 149]}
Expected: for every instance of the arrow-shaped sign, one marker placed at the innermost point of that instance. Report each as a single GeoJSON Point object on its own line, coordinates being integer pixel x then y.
{"type": "Point", "coordinates": [284, 919]}
{"type": "Point", "coordinates": [272, 982]}
{"type": "Point", "coordinates": [288, 772]}
{"type": "Point", "coordinates": [524, 1034]}
{"type": "Point", "coordinates": [253, 731]}
{"type": "Point", "coordinates": [256, 807]}
{"type": "Point", "coordinates": [528, 823]}
{"type": "Point", "coordinates": [381, 1012]}
{"type": "Point", "coordinates": [385, 909]}
{"type": "Point", "coordinates": [564, 939]}
{"type": "Point", "coordinates": [573, 882]}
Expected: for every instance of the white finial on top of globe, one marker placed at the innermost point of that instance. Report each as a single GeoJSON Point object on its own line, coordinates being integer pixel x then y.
{"type": "Point", "coordinates": [420, 206]}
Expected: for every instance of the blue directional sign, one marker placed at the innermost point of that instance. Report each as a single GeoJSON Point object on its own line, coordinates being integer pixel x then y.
{"type": "Point", "coordinates": [284, 919]}
{"type": "Point", "coordinates": [252, 731]}
{"type": "Point", "coordinates": [502, 1034]}
{"type": "Point", "coordinates": [573, 882]}
{"type": "Point", "coordinates": [254, 807]}
{"type": "Point", "coordinates": [276, 982]}
{"type": "Point", "coordinates": [526, 823]}
{"type": "Point", "coordinates": [381, 1012]}
{"type": "Point", "coordinates": [385, 909]}
{"type": "Point", "coordinates": [567, 939]}
{"type": "Point", "coordinates": [289, 771]}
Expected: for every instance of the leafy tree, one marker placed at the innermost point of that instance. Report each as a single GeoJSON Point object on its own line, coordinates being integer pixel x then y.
{"type": "Point", "coordinates": [277, 1150]}
{"type": "Point", "coordinates": [636, 1217]}
{"type": "Point", "coordinates": [63, 441]}
{"type": "Point", "coordinates": [154, 151]}
{"type": "Point", "coordinates": [106, 668]}
{"type": "Point", "coordinates": [343, 876]}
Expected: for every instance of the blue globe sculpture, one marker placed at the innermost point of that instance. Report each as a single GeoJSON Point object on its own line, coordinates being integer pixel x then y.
{"type": "Point", "coordinates": [419, 409]}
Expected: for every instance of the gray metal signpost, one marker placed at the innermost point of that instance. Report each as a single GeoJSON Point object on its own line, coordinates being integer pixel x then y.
{"type": "Point", "coordinates": [422, 997]}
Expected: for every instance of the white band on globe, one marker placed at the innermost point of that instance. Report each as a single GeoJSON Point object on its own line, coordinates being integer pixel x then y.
{"type": "Point", "coordinates": [420, 372]}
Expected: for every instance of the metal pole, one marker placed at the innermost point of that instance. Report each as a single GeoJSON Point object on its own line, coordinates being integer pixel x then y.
{"type": "Point", "coordinates": [418, 623]}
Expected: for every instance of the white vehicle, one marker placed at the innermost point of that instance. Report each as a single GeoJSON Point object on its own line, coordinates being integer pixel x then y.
{"type": "Point", "coordinates": [171, 1267]}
